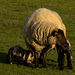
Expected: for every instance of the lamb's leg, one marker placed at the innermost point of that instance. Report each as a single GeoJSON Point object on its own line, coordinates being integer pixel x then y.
{"type": "Point", "coordinates": [10, 55]}
{"type": "Point", "coordinates": [69, 61]}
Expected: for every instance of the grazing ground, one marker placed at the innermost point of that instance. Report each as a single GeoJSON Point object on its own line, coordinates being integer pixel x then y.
{"type": "Point", "coordinates": [12, 16]}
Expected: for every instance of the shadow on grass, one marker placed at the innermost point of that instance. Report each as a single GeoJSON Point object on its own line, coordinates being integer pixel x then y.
{"type": "Point", "coordinates": [3, 57]}
{"type": "Point", "coordinates": [3, 60]}
{"type": "Point", "coordinates": [50, 60]}
{"type": "Point", "coordinates": [52, 64]}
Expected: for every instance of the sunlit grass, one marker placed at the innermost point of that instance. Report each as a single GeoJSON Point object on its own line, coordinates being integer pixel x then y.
{"type": "Point", "coordinates": [12, 16]}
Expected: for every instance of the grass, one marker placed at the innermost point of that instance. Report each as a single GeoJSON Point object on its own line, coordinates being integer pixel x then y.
{"type": "Point", "coordinates": [12, 17]}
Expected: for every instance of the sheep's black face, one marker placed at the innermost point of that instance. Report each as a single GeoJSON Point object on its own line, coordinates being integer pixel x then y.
{"type": "Point", "coordinates": [60, 39]}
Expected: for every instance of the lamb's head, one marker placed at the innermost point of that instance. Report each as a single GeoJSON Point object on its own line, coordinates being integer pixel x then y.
{"type": "Point", "coordinates": [30, 58]}
{"type": "Point", "coordinates": [60, 39]}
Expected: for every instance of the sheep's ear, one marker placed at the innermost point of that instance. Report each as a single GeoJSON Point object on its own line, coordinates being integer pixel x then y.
{"type": "Point", "coordinates": [55, 32]}
{"type": "Point", "coordinates": [61, 32]}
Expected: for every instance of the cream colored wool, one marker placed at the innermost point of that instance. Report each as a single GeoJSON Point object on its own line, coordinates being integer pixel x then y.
{"type": "Point", "coordinates": [38, 27]}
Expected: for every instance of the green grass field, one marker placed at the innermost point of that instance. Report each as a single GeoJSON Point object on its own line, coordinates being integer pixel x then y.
{"type": "Point", "coordinates": [12, 16]}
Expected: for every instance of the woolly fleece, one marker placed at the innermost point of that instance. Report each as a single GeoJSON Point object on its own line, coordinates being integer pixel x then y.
{"type": "Point", "coordinates": [38, 27]}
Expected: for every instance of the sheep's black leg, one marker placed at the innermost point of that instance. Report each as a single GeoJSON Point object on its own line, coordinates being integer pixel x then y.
{"type": "Point", "coordinates": [69, 61]}
{"type": "Point", "coordinates": [36, 60]}
{"type": "Point", "coordinates": [61, 60]}
{"type": "Point", "coordinates": [44, 60]}
{"type": "Point", "coordinates": [60, 57]}
{"type": "Point", "coordinates": [59, 54]}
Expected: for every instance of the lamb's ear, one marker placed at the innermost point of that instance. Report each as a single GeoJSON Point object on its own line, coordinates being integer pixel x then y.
{"type": "Point", "coordinates": [55, 32]}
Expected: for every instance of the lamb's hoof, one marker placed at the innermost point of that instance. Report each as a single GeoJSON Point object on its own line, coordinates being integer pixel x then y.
{"type": "Point", "coordinates": [71, 57]}
{"type": "Point", "coordinates": [11, 63]}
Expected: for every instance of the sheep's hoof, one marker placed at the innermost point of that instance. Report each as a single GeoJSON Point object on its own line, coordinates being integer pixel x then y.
{"type": "Point", "coordinates": [36, 67]}
{"type": "Point", "coordinates": [43, 67]}
{"type": "Point", "coordinates": [61, 68]}
{"type": "Point", "coordinates": [70, 67]}
{"type": "Point", "coordinates": [58, 65]}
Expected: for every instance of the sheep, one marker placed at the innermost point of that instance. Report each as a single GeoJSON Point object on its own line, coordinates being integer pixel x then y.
{"type": "Point", "coordinates": [20, 55]}
{"type": "Point", "coordinates": [44, 30]}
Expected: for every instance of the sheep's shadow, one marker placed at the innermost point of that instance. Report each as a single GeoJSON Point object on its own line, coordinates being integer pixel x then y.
{"type": "Point", "coordinates": [4, 60]}
{"type": "Point", "coordinates": [49, 62]}
{"type": "Point", "coordinates": [52, 64]}
{"type": "Point", "coordinates": [3, 57]}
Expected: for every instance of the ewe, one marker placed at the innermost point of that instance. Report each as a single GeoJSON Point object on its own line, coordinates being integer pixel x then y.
{"type": "Point", "coordinates": [43, 30]}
